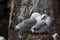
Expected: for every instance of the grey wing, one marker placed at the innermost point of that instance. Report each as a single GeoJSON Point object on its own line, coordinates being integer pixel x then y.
{"type": "Point", "coordinates": [28, 23]}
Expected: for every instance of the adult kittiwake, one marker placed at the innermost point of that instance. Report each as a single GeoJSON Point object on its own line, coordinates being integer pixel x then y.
{"type": "Point", "coordinates": [42, 25]}
{"type": "Point", "coordinates": [27, 24]}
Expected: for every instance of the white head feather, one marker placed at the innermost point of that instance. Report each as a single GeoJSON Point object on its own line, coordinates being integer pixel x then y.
{"type": "Point", "coordinates": [47, 19]}
{"type": "Point", "coordinates": [35, 15]}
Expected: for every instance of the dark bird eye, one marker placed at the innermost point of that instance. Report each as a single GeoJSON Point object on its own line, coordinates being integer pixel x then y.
{"type": "Point", "coordinates": [36, 28]}
{"type": "Point", "coordinates": [43, 18]}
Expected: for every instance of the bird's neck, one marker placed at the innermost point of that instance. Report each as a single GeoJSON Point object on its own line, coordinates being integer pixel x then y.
{"type": "Point", "coordinates": [38, 19]}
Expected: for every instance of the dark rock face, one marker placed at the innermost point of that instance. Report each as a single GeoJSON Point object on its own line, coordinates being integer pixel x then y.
{"type": "Point", "coordinates": [4, 16]}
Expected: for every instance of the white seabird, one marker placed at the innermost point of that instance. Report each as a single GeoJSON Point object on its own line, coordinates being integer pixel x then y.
{"type": "Point", "coordinates": [2, 38]}
{"type": "Point", "coordinates": [27, 24]}
{"type": "Point", "coordinates": [42, 24]}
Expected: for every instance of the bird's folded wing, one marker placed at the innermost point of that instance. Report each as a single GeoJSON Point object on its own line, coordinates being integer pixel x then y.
{"type": "Point", "coordinates": [28, 23]}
